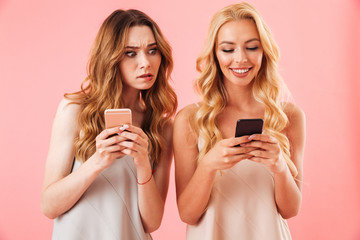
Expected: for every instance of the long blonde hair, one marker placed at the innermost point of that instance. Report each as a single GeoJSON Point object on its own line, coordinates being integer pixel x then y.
{"type": "Point", "coordinates": [267, 86]}
{"type": "Point", "coordinates": [103, 86]}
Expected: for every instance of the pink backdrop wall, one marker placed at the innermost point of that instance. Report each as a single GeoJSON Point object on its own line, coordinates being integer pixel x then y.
{"type": "Point", "coordinates": [44, 46]}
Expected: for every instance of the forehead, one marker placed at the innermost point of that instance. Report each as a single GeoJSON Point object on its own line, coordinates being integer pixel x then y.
{"type": "Point", "coordinates": [140, 36]}
{"type": "Point", "coordinates": [238, 31]}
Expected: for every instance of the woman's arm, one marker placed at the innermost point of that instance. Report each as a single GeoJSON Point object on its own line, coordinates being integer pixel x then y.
{"type": "Point", "coordinates": [61, 190]}
{"type": "Point", "coordinates": [152, 191]}
{"type": "Point", "coordinates": [287, 190]}
{"type": "Point", "coordinates": [194, 180]}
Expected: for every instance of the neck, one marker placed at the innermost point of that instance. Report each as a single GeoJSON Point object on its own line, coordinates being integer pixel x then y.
{"type": "Point", "coordinates": [240, 97]}
{"type": "Point", "coordinates": [131, 99]}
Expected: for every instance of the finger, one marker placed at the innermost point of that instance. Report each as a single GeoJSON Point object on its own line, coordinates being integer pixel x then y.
{"type": "Point", "coordinates": [129, 152]}
{"type": "Point", "coordinates": [113, 140]}
{"type": "Point", "coordinates": [241, 150]}
{"type": "Point", "coordinates": [259, 144]}
{"type": "Point", "coordinates": [240, 157]}
{"type": "Point", "coordinates": [230, 142]}
{"type": "Point", "coordinates": [107, 132]}
{"type": "Point", "coordinates": [261, 154]}
{"type": "Point", "coordinates": [133, 146]}
{"type": "Point", "coordinates": [263, 138]}
{"type": "Point", "coordinates": [137, 130]}
{"type": "Point", "coordinates": [109, 150]}
{"type": "Point", "coordinates": [135, 137]}
{"type": "Point", "coordinates": [114, 148]}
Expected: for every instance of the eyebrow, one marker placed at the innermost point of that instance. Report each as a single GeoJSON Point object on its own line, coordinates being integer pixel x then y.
{"type": "Point", "coordinates": [228, 42]}
{"type": "Point", "coordinates": [136, 47]}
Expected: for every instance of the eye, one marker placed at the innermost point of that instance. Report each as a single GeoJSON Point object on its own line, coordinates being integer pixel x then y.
{"type": "Point", "coordinates": [130, 53]}
{"type": "Point", "coordinates": [153, 51]}
{"type": "Point", "coordinates": [227, 50]}
{"type": "Point", "coordinates": [252, 48]}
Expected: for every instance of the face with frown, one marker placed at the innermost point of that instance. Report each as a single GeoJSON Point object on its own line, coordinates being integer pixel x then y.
{"type": "Point", "coordinates": [141, 61]}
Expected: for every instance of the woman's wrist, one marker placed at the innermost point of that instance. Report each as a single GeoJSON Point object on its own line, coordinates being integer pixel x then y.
{"type": "Point", "coordinates": [94, 164]}
{"type": "Point", "coordinates": [206, 168]}
{"type": "Point", "coordinates": [144, 173]}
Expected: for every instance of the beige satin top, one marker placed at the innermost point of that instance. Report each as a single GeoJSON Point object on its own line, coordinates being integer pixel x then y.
{"type": "Point", "coordinates": [242, 206]}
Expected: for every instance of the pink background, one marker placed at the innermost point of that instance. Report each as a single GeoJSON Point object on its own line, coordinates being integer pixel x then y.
{"type": "Point", "coordinates": [44, 47]}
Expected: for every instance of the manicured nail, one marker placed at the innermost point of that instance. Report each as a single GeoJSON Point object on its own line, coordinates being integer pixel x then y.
{"type": "Point", "coordinates": [124, 127]}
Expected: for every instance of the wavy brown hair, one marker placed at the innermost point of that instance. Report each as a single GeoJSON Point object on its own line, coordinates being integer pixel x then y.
{"type": "Point", "coordinates": [102, 88]}
{"type": "Point", "coordinates": [267, 86]}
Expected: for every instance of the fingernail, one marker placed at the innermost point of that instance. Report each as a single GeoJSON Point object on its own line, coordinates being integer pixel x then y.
{"type": "Point", "coordinates": [251, 137]}
{"type": "Point", "coordinates": [124, 127]}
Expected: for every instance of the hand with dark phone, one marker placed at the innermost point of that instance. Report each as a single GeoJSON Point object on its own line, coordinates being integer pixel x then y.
{"type": "Point", "coordinates": [247, 127]}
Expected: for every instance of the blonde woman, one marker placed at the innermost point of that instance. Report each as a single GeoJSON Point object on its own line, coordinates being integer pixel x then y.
{"type": "Point", "coordinates": [226, 191]}
{"type": "Point", "coordinates": [101, 183]}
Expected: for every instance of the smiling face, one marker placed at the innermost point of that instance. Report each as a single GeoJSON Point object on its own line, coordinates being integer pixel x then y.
{"type": "Point", "coordinates": [141, 61]}
{"type": "Point", "coordinates": [239, 51]}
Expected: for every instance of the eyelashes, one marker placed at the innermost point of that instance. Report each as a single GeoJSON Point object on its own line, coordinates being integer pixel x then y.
{"type": "Point", "coordinates": [252, 49]}
{"type": "Point", "coordinates": [132, 54]}
{"type": "Point", "coordinates": [232, 50]}
{"type": "Point", "coordinates": [153, 51]}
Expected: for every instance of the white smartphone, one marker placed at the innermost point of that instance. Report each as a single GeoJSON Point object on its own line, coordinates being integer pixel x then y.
{"type": "Point", "coordinates": [117, 117]}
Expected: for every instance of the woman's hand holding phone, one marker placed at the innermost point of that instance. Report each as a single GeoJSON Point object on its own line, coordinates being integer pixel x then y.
{"type": "Point", "coordinates": [107, 142]}
{"type": "Point", "coordinates": [226, 154]}
{"type": "Point", "coordinates": [107, 146]}
{"type": "Point", "coordinates": [267, 152]}
{"type": "Point", "coordinates": [135, 144]}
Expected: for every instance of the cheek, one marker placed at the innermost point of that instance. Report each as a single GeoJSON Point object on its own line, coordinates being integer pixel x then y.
{"type": "Point", "coordinates": [223, 60]}
{"type": "Point", "coordinates": [257, 60]}
{"type": "Point", "coordinates": [157, 62]}
{"type": "Point", "coordinates": [126, 69]}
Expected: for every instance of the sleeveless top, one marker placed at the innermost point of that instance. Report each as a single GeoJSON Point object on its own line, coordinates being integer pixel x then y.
{"type": "Point", "coordinates": [108, 209]}
{"type": "Point", "coordinates": [241, 206]}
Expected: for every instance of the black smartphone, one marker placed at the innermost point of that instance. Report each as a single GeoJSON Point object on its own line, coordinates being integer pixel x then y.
{"type": "Point", "coordinates": [246, 127]}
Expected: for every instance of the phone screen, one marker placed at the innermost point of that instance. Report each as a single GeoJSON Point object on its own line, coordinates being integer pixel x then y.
{"type": "Point", "coordinates": [248, 127]}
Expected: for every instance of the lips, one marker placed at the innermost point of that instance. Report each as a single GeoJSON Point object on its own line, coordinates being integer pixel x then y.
{"type": "Point", "coordinates": [240, 72]}
{"type": "Point", "coordinates": [146, 77]}
{"type": "Point", "coordinates": [244, 70]}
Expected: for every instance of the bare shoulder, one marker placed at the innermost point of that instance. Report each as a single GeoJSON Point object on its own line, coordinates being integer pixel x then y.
{"type": "Point", "coordinates": [186, 113]}
{"type": "Point", "coordinates": [184, 130]}
{"type": "Point", "coordinates": [296, 129]}
{"type": "Point", "coordinates": [67, 107]}
{"type": "Point", "coordinates": [294, 113]}
{"type": "Point", "coordinates": [67, 114]}
{"type": "Point", "coordinates": [168, 130]}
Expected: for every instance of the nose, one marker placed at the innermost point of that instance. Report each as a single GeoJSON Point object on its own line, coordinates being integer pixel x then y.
{"type": "Point", "coordinates": [144, 61]}
{"type": "Point", "coordinates": [239, 55]}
